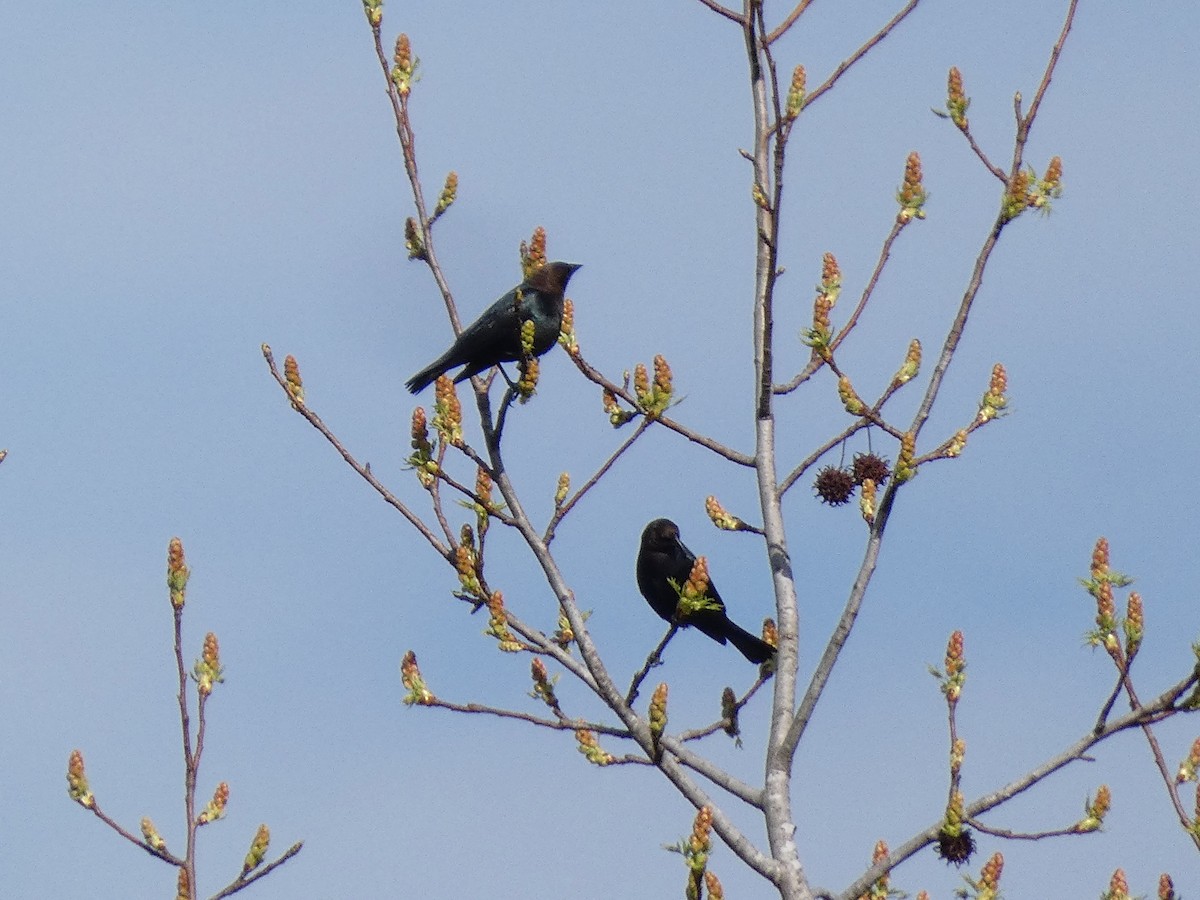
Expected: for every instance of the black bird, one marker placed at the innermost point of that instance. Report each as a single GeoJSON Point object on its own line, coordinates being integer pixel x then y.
{"type": "Point", "coordinates": [663, 556]}
{"type": "Point", "coordinates": [495, 337]}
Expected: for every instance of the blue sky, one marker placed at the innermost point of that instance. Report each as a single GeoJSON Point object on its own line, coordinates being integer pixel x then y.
{"type": "Point", "coordinates": [187, 181]}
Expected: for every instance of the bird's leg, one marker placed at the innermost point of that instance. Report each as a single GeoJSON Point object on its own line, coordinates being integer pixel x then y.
{"type": "Point", "coordinates": [512, 384]}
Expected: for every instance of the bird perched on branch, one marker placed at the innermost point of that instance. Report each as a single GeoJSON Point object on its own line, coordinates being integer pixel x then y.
{"type": "Point", "coordinates": [495, 337]}
{"type": "Point", "coordinates": [662, 559]}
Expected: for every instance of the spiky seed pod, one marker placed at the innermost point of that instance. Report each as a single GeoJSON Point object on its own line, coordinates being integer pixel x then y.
{"type": "Point", "coordinates": [796, 93]}
{"type": "Point", "coordinates": [291, 376]}
{"type": "Point", "coordinates": [449, 194]}
{"type": "Point", "coordinates": [413, 242]}
{"type": "Point", "coordinates": [956, 843]}
{"type": "Point", "coordinates": [911, 195]}
{"type": "Point", "coordinates": [177, 573]}
{"type": "Point", "coordinates": [207, 670]}
{"type": "Point", "coordinates": [77, 781]}
{"type": "Point", "coordinates": [215, 808]}
{"type": "Point", "coordinates": [566, 334]}
{"type": "Point", "coordinates": [834, 486]}
{"type": "Point", "coordinates": [410, 677]}
{"type": "Point", "coordinates": [872, 466]}
{"type": "Point", "coordinates": [258, 849]}
{"type": "Point", "coordinates": [151, 836]}
{"type": "Point", "coordinates": [533, 254]}
{"type": "Point", "coordinates": [447, 412]}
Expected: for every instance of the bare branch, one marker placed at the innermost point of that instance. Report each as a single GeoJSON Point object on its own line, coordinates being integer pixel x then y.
{"type": "Point", "coordinates": [593, 375]}
{"type": "Point", "coordinates": [654, 659]}
{"type": "Point", "coordinates": [362, 469]}
{"type": "Point", "coordinates": [243, 881]}
{"type": "Point", "coordinates": [561, 512]}
{"type": "Point", "coordinates": [1162, 706]}
{"type": "Point", "coordinates": [164, 855]}
{"type": "Point", "coordinates": [844, 65]}
{"type": "Point", "coordinates": [722, 11]}
{"type": "Point", "coordinates": [782, 28]}
{"type": "Point", "coordinates": [540, 721]}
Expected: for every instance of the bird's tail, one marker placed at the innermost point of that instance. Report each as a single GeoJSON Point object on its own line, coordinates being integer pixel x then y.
{"type": "Point", "coordinates": [423, 379]}
{"type": "Point", "coordinates": [753, 648]}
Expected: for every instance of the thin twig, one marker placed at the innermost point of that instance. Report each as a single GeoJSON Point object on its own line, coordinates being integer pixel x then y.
{"type": "Point", "coordinates": [243, 881]}
{"type": "Point", "coordinates": [540, 721]}
{"type": "Point", "coordinates": [1163, 705]}
{"type": "Point", "coordinates": [991, 166]}
{"type": "Point", "coordinates": [816, 362]}
{"type": "Point", "coordinates": [787, 23]}
{"type": "Point", "coordinates": [593, 375]}
{"type": "Point", "coordinates": [164, 855]}
{"type": "Point", "coordinates": [721, 724]}
{"type": "Point", "coordinates": [654, 659]}
{"type": "Point", "coordinates": [561, 512]}
{"type": "Point", "coordinates": [722, 11]}
{"type": "Point", "coordinates": [189, 760]}
{"type": "Point", "coordinates": [844, 65]}
{"type": "Point", "coordinates": [361, 469]}
{"type": "Point", "coordinates": [1023, 835]}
